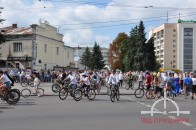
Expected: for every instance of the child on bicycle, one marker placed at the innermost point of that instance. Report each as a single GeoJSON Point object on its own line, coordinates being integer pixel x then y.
{"type": "Point", "coordinates": [36, 84]}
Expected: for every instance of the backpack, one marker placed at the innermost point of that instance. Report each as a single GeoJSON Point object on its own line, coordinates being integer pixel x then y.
{"type": "Point", "coordinates": [169, 83]}
{"type": "Point", "coordinates": [12, 80]}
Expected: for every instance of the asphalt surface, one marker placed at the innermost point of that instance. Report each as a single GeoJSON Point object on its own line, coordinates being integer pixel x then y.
{"type": "Point", "coordinates": [51, 113]}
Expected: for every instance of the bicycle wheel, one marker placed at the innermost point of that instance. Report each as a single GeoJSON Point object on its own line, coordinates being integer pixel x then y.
{"type": "Point", "coordinates": [91, 94]}
{"type": "Point", "coordinates": [139, 93]}
{"type": "Point", "coordinates": [55, 88]}
{"type": "Point", "coordinates": [77, 95]}
{"type": "Point", "coordinates": [112, 96]}
{"type": "Point", "coordinates": [117, 95]}
{"type": "Point", "coordinates": [25, 93]}
{"type": "Point", "coordinates": [12, 97]}
{"type": "Point", "coordinates": [150, 95]}
{"type": "Point", "coordinates": [40, 92]}
{"type": "Point", "coordinates": [63, 94]}
{"type": "Point", "coordinates": [18, 91]}
{"type": "Point", "coordinates": [24, 84]}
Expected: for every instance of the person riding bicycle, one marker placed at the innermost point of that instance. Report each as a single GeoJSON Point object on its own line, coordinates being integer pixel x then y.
{"type": "Point", "coordinates": [36, 83]}
{"type": "Point", "coordinates": [6, 82]}
{"type": "Point", "coordinates": [85, 82]}
{"type": "Point", "coordinates": [73, 81]}
{"type": "Point", "coordinates": [113, 79]}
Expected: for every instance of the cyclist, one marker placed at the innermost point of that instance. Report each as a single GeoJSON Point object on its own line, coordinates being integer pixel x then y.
{"type": "Point", "coordinates": [85, 82]}
{"type": "Point", "coordinates": [36, 83]}
{"type": "Point", "coordinates": [6, 82]}
{"type": "Point", "coordinates": [73, 81]}
{"type": "Point", "coordinates": [113, 79]}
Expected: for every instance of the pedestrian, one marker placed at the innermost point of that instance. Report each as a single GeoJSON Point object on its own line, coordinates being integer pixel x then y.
{"type": "Point", "coordinates": [121, 79]}
{"type": "Point", "coordinates": [187, 84]}
{"type": "Point", "coordinates": [194, 86]}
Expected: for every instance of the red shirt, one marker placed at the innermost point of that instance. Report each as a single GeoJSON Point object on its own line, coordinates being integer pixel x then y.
{"type": "Point", "coordinates": [148, 79]}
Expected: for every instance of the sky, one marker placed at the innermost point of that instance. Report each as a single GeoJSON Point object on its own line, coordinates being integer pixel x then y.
{"type": "Point", "coordinates": [84, 22]}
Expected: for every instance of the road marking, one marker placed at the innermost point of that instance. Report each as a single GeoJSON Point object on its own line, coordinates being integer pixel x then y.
{"type": "Point", "coordinates": [184, 123]}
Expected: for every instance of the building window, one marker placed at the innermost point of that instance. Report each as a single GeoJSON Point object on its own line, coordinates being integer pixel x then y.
{"type": "Point", "coordinates": [174, 40]}
{"type": "Point", "coordinates": [57, 50]}
{"type": "Point", "coordinates": [67, 54]}
{"type": "Point", "coordinates": [45, 48]}
{"type": "Point", "coordinates": [174, 61]}
{"type": "Point", "coordinates": [174, 35]}
{"type": "Point", "coordinates": [174, 56]}
{"type": "Point", "coordinates": [174, 51]}
{"type": "Point", "coordinates": [45, 66]}
{"type": "Point", "coordinates": [17, 47]}
{"type": "Point", "coordinates": [174, 66]}
{"type": "Point", "coordinates": [174, 46]}
{"type": "Point", "coordinates": [174, 30]}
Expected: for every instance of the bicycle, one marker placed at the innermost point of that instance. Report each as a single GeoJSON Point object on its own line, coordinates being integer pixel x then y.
{"type": "Point", "coordinates": [11, 96]}
{"type": "Point", "coordinates": [63, 92]}
{"type": "Point", "coordinates": [114, 93]}
{"type": "Point", "coordinates": [89, 92]}
{"type": "Point", "coordinates": [129, 84]}
{"type": "Point", "coordinates": [27, 92]}
{"type": "Point", "coordinates": [139, 93]}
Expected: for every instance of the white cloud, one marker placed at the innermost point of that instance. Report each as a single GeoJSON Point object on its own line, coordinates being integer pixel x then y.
{"type": "Point", "coordinates": [64, 15]}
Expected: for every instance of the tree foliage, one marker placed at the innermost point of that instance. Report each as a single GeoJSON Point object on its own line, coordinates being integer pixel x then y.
{"type": "Point", "coordinates": [115, 54]}
{"type": "Point", "coordinates": [97, 61]}
{"type": "Point", "coordinates": [86, 58]}
{"type": "Point", "coordinates": [138, 52]}
{"type": "Point", "coordinates": [2, 37]}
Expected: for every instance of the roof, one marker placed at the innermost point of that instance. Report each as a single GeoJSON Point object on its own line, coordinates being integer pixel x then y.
{"type": "Point", "coordinates": [11, 30]}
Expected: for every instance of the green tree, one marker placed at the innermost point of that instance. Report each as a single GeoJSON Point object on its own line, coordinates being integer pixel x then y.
{"type": "Point", "coordinates": [138, 52]}
{"type": "Point", "coordinates": [86, 58]}
{"type": "Point", "coordinates": [2, 37]}
{"type": "Point", "coordinates": [97, 61]}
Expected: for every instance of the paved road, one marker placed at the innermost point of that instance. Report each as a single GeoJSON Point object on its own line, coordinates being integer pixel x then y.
{"type": "Point", "coordinates": [50, 113]}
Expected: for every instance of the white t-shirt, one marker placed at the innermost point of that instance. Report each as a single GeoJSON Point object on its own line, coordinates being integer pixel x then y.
{"type": "Point", "coordinates": [194, 81]}
{"type": "Point", "coordinates": [120, 76]}
{"type": "Point", "coordinates": [113, 79]}
{"type": "Point", "coordinates": [4, 79]}
{"type": "Point", "coordinates": [86, 80]}
{"type": "Point", "coordinates": [36, 82]}
{"type": "Point", "coordinates": [73, 79]}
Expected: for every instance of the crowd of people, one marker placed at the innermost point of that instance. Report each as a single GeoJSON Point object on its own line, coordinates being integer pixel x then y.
{"type": "Point", "coordinates": [178, 82]}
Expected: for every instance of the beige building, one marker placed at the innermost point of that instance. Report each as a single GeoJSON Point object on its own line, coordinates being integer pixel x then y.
{"type": "Point", "coordinates": [165, 44]}
{"type": "Point", "coordinates": [36, 47]}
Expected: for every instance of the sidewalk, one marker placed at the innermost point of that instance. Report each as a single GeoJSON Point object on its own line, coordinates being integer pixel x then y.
{"type": "Point", "coordinates": [48, 90]}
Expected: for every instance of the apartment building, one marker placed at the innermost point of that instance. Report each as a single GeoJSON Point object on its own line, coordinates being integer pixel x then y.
{"type": "Point", "coordinates": [36, 47]}
{"type": "Point", "coordinates": [165, 45]}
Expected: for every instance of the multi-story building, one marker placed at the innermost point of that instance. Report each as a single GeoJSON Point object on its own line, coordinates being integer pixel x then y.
{"type": "Point", "coordinates": [165, 45]}
{"type": "Point", "coordinates": [80, 50]}
{"type": "Point", "coordinates": [186, 49]}
{"type": "Point", "coordinates": [36, 47]}
{"type": "Point", "coordinates": [175, 45]}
